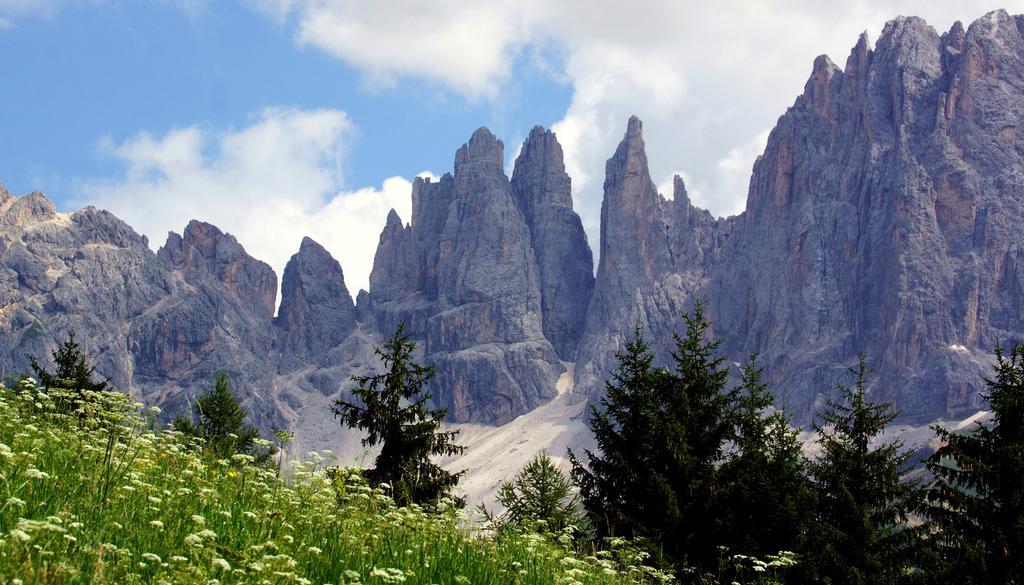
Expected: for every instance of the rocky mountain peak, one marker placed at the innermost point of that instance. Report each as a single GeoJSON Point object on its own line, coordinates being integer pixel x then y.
{"type": "Point", "coordinates": [634, 128]}
{"type": "Point", "coordinates": [824, 82]}
{"type": "Point", "coordinates": [632, 209]}
{"type": "Point", "coordinates": [204, 251]}
{"type": "Point", "coordinates": [393, 222]}
{"type": "Point", "coordinates": [316, 311]}
{"type": "Point", "coordinates": [679, 193]}
{"type": "Point", "coordinates": [28, 210]}
{"type": "Point", "coordinates": [543, 193]}
{"type": "Point", "coordinates": [541, 164]}
{"type": "Point", "coordinates": [483, 149]}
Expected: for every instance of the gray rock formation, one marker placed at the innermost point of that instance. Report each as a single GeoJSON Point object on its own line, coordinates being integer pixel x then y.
{"type": "Point", "coordinates": [654, 255]}
{"type": "Point", "coordinates": [86, 271]}
{"type": "Point", "coordinates": [216, 317]}
{"type": "Point", "coordinates": [316, 310]}
{"type": "Point", "coordinates": [543, 192]}
{"type": "Point", "coordinates": [883, 217]}
{"type": "Point", "coordinates": [464, 278]}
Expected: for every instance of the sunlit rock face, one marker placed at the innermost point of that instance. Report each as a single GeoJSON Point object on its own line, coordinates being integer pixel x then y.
{"type": "Point", "coordinates": [465, 279]}
{"type": "Point", "coordinates": [883, 217]}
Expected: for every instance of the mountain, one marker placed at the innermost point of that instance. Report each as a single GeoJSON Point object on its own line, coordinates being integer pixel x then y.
{"type": "Point", "coordinates": [883, 217]}
{"type": "Point", "coordinates": [478, 277]}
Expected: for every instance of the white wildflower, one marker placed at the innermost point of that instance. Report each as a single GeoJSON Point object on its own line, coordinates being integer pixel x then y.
{"type": "Point", "coordinates": [221, 564]}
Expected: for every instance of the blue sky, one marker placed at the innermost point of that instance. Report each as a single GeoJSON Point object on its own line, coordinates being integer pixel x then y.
{"type": "Point", "coordinates": [276, 119]}
{"type": "Point", "coordinates": [89, 72]}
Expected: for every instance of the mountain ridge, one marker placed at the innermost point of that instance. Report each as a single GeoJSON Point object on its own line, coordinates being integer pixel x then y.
{"type": "Point", "coordinates": [878, 219]}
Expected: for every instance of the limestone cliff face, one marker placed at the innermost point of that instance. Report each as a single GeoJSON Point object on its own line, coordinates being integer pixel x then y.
{"type": "Point", "coordinates": [891, 199]}
{"type": "Point", "coordinates": [86, 271]}
{"type": "Point", "coordinates": [543, 192]}
{"type": "Point", "coordinates": [654, 256]}
{"type": "Point", "coordinates": [317, 312]}
{"type": "Point", "coordinates": [464, 278]}
{"type": "Point", "coordinates": [882, 217]}
{"type": "Point", "coordinates": [216, 317]}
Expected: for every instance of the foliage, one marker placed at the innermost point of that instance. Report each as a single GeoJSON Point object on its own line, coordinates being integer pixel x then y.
{"type": "Point", "coordinates": [73, 372]}
{"type": "Point", "coordinates": [863, 503]}
{"type": "Point", "coordinates": [174, 514]}
{"type": "Point", "coordinates": [540, 496]}
{"type": "Point", "coordinates": [764, 498]}
{"type": "Point", "coordinates": [395, 414]}
{"type": "Point", "coordinates": [220, 422]}
{"type": "Point", "coordinates": [975, 504]}
{"type": "Point", "coordinates": [661, 435]}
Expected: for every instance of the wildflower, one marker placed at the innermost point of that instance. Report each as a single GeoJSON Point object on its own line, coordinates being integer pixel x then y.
{"type": "Point", "coordinates": [33, 473]}
{"type": "Point", "coordinates": [193, 540]}
{"type": "Point", "coordinates": [151, 557]}
{"type": "Point", "coordinates": [156, 524]}
{"type": "Point", "coordinates": [179, 559]}
{"type": "Point", "coordinates": [21, 535]}
{"type": "Point", "coordinates": [207, 533]}
{"type": "Point", "coordinates": [390, 575]}
{"type": "Point", "coordinates": [221, 564]}
{"type": "Point", "coordinates": [199, 520]}
{"type": "Point", "coordinates": [315, 550]}
{"type": "Point", "coordinates": [15, 502]}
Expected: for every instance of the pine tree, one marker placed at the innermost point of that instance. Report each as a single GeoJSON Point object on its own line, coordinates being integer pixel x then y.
{"type": "Point", "coordinates": [661, 435]}
{"type": "Point", "coordinates": [220, 421]}
{"type": "Point", "coordinates": [73, 373]}
{"type": "Point", "coordinates": [394, 412]}
{"type": "Point", "coordinates": [692, 440]}
{"type": "Point", "coordinates": [975, 504]}
{"type": "Point", "coordinates": [764, 499]}
{"type": "Point", "coordinates": [863, 503]}
{"type": "Point", "coordinates": [612, 483]}
{"type": "Point", "coordinates": [540, 496]}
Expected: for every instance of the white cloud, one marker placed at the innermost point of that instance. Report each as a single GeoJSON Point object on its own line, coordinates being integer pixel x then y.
{"type": "Point", "coordinates": [269, 184]}
{"type": "Point", "coordinates": [467, 45]}
{"type": "Point", "coordinates": [707, 78]}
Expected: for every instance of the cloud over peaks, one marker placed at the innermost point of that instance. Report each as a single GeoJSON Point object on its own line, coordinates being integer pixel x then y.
{"type": "Point", "coordinates": [269, 184]}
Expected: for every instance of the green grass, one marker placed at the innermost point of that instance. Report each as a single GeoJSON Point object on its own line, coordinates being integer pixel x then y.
{"type": "Point", "coordinates": [97, 496]}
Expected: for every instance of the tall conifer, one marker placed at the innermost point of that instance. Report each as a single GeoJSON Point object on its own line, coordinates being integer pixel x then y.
{"type": "Point", "coordinates": [975, 503]}
{"type": "Point", "coordinates": [862, 535]}
{"type": "Point", "coordinates": [393, 408]}
{"type": "Point", "coordinates": [764, 499]}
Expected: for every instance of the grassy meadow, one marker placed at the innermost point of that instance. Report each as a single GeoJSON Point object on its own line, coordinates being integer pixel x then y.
{"type": "Point", "coordinates": [99, 493]}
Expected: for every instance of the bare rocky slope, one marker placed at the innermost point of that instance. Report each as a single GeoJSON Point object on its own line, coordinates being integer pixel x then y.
{"type": "Point", "coordinates": [884, 216]}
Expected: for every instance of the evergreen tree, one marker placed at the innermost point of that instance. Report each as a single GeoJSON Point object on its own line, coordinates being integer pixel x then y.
{"type": "Point", "coordinates": [661, 435]}
{"type": "Point", "coordinates": [394, 412]}
{"type": "Point", "coordinates": [612, 482]}
{"type": "Point", "coordinates": [73, 372]}
{"type": "Point", "coordinates": [540, 493]}
{"type": "Point", "coordinates": [975, 504]}
{"type": "Point", "coordinates": [220, 421]}
{"type": "Point", "coordinates": [697, 425]}
{"type": "Point", "coordinates": [862, 501]}
{"type": "Point", "coordinates": [764, 499]}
